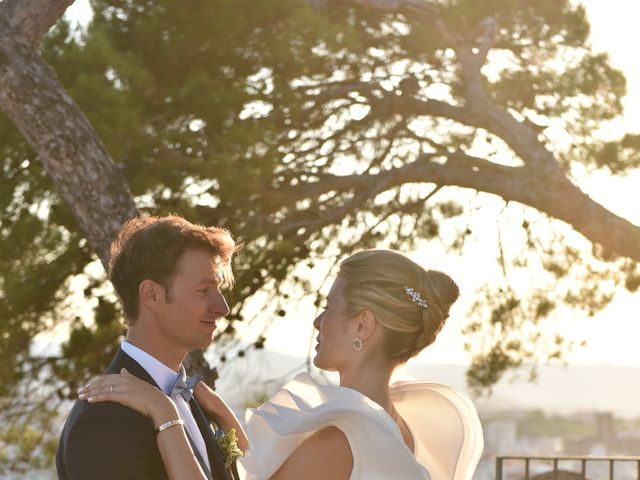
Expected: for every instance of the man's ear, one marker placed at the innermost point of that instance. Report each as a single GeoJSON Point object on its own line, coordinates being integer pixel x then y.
{"type": "Point", "coordinates": [151, 294]}
{"type": "Point", "coordinates": [366, 324]}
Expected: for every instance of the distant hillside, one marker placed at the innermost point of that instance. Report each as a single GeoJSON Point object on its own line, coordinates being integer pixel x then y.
{"type": "Point", "coordinates": [559, 389]}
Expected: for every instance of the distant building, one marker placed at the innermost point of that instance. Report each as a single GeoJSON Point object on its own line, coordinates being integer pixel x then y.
{"type": "Point", "coordinates": [606, 441]}
{"type": "Point", "coordinates": [604, 426]}
{"type": "Point", "coordinates": [560, 475]}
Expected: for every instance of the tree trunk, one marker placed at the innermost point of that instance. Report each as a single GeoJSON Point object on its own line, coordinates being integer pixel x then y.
{"type": "Point", "coordinates": [67, 145]}
{"type": "Point", "coordinates": [65, 142]}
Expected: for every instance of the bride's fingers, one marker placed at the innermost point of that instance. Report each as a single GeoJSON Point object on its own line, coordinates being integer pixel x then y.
{"type": "Point", "coordinates": [115, 379]}
{"type": "Point", "coordinates": [112, 387]}
{"type": "Point", "coordinates": [90, 384]}
{"type": "Point", "coordinates": [110, 383]}
{"type": "Point", "coordinates": [119, 394]}
{"type": "Point", "coordinates": [111, 378]}
{"type": "Point", "coordinates": [116, 392]}
{"type": "Point", "coordinates": [102, 389]}
{"type": "Point", "coordinates": [105, 396]}
{"type": "Point", "coordinates": [100, 395]}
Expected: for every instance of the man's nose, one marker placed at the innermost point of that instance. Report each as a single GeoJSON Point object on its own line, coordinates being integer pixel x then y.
{"type": "Point", "coordinates": [219, 305]}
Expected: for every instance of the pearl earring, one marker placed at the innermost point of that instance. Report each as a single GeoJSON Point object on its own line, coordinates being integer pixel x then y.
{"type": "Point", "coordinates": [357, 344]}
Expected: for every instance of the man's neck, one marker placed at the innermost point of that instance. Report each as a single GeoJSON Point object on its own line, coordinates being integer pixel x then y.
{"type": "Point", "coordinates": [169, 355]}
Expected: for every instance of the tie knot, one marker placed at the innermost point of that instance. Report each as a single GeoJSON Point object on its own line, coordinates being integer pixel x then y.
{"type": "Point", "coordinates": [184, 386]}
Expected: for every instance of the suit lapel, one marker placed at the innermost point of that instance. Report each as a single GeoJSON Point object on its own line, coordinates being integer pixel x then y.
{"type": "Point", "coordinates": [122, 360]}
{"type": "Point", "coordinates": [196, 452]}
{"type": "Point", "coordinates": [216, 460]}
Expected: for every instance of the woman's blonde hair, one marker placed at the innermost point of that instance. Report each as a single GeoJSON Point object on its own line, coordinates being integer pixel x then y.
{"type": "Point", "coordinates": [377, 280]}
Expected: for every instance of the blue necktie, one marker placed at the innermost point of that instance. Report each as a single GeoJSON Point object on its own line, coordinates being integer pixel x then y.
{"type": "Point", "coordinates": [184, 386]}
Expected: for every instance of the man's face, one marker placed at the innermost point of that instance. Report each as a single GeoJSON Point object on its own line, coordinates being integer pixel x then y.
{"type": "Point", "coordinates": [187, 318]}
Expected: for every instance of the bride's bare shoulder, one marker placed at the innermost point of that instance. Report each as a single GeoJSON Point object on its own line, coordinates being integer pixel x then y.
{"type": "Point", "coordinates": [325, 454]}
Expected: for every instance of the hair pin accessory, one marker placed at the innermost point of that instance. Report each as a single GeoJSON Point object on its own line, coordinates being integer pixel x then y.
{"type": "Point", "coordinates": [415, 297]}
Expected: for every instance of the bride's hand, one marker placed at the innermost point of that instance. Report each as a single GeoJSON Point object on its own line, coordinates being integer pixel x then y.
{"type": "Point", "coordinates": [215, 407]}
{"type": "Point", "coordinates": [210, 401]}
{"type": "Point", "coordinates": [131, 392]}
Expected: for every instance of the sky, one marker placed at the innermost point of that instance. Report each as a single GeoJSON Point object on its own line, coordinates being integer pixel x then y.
{"type": "Point", "coordinates": [614, 29]}
{"type": "Point", "coordinates": [612, 334]}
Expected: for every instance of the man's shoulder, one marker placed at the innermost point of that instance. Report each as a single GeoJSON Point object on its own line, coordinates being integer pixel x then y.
{"type": "Point", "coordinates": [91, 426]}
{"type": "Point", "coordinates": [107, 440]}
{"type": "Point", "coordinates": [107, 416]}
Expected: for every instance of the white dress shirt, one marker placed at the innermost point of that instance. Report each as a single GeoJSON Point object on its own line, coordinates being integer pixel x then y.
{"type": "Point", "coordinates": [165, 378]}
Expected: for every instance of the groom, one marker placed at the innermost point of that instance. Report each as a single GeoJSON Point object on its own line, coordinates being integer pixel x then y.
{"type": "Point", "coordinates": [167, 273]}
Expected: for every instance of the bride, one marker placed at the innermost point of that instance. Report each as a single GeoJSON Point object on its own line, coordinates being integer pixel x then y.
{"type": "Point", "coordinates": [382, 309]}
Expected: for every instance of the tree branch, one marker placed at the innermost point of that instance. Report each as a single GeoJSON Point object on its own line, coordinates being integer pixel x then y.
{"type": "Point", "coordinates": [486, 29]}
{"type": "Point", "coordinates": [417, 7]}
{"type": "Point", "coordinates": [520, 136]}
{"type": "Point", "coordinates": [31, 19]}
{"type": "Point", "coordinates": [554, 195]}
{"type": "Point", "coordinates": [335, 215]}
{"type": "Point", "coordinates": [480, 110]}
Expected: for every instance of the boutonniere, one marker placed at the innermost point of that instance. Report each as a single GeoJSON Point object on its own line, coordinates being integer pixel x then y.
{"type": "Point", "coordinates": [228, 445]}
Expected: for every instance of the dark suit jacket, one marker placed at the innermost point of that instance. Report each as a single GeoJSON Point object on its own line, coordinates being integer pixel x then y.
{"type": "Point", "coordinates": [107, 440]}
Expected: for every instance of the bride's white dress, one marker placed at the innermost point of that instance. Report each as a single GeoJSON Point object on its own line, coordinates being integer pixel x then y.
{"type": "Point", "coordinates": [444, 424]}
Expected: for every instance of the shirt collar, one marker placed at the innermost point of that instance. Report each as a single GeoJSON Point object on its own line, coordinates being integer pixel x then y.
{"type": "Point", "coordinates": [161, 374]}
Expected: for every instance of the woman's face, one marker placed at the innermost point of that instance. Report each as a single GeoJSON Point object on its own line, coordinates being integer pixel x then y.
{"type": "Point", "coordinates": [335, 340]}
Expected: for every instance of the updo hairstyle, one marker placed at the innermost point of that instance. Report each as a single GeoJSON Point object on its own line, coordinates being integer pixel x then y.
{"type": "Point", "coordinates": [376, 280]}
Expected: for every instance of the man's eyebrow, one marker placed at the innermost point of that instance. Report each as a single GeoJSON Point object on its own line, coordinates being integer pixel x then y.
{"type": "Point", "coordinates": [214, 280]}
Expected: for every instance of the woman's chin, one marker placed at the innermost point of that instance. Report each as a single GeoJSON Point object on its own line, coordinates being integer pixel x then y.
{"type": "Point", "coordinates": [318, 362]}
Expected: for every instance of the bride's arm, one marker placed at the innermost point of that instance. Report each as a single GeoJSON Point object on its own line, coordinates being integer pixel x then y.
{"type": "Point", "coordinates": [177, 455]}
{"type": "Point", "coordinates": [325, 454]}
{"type": "Point", "coordinates": [213, 404]}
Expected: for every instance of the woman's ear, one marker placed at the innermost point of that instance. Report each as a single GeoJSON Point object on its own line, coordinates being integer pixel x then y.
{"type": "Point", "coordinates": [366, 324]}
{"type": "Point", "coordinates": [151, 294]}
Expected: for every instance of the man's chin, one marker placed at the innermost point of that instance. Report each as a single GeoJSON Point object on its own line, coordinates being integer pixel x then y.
{"type": "Point", "coordinates": [207, 343]}
{"type": "Point", "coordinates": [202, 343]}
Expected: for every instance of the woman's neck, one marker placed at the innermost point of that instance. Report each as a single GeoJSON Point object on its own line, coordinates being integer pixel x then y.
{"type": "Point", "coordinates": [371, 380]}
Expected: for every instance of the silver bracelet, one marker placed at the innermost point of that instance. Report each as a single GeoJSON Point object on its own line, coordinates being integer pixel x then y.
{"type": "Point", "coordinates": [169, 424]}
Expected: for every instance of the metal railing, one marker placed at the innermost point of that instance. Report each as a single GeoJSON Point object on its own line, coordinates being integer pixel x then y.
{"type": "Point", "coordinates": [556, 460]}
